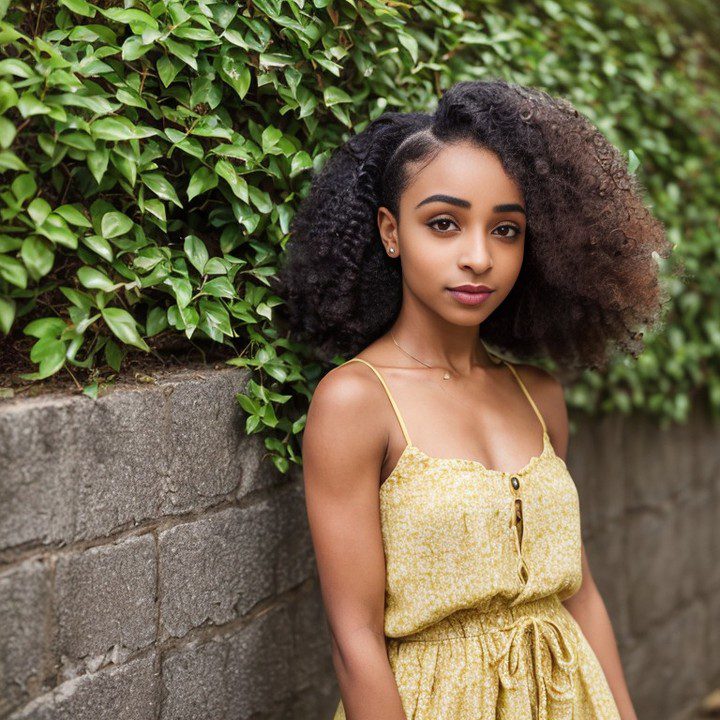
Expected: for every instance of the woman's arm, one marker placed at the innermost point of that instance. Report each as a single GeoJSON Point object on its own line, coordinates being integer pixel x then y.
{"type": "Point", "coordinates": [343, 447]}
{"type": "Point", "coordinates": [586, 605]}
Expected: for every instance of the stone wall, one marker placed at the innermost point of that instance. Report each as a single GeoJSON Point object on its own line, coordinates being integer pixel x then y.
{"type": "Point", "coordinates": [650, 505]}
{"type": "Point", "coordinates": [152, 567]}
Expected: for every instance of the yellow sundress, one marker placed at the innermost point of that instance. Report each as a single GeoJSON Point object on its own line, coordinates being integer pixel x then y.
{"type": "Point", "coordinates": [477, 563]}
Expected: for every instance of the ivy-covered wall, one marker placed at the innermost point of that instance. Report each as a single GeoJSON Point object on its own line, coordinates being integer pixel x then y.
{"type": "Point", "coordinates": [152, 154]}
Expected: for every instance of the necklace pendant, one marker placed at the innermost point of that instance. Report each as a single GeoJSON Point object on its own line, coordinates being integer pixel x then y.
{"type": "Point", "coordinates": [446, 376]}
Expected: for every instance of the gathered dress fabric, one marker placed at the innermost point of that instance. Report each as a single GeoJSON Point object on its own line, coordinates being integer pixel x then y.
{"type": "Point", "coordinates": [477, 563]}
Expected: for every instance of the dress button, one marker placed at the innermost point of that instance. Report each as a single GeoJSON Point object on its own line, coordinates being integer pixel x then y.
{"type": "Point", "coordinates": [515, 482]}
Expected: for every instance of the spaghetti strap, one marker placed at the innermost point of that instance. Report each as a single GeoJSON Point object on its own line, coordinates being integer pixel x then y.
{"type": "Point", "coordinates": [527, 394]}
{"type": "Point", "coordinates": [389, 394]}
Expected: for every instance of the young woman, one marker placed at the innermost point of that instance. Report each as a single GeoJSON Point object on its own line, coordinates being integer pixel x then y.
{"type": "Point", "coordinates": [445, 522]}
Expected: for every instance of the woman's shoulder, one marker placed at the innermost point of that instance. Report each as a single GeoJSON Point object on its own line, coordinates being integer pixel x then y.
{"type": "Point", "coordinates": [346, 391]}
{"type": "Point", "coordinates": [541, 379]}
{"type": "Point", "coordinates": [343, 417]}
{"type": "Point", "coordinates": [548, 394]}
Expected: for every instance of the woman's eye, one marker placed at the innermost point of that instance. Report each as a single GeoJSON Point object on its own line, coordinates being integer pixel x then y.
{"type": "Point", "coordinates": [512, 227]}
{"type": "Point", "coordinates": [433, 223]}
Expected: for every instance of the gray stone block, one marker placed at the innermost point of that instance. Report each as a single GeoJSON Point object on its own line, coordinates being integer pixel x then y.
{"type": "Point", "coordinates": [260, 670]}
{"type": "Point", "coordinates": [652, 463]}
{"type": "Point", "coordinates": [78, 469]}
{"type": "Point", "coordinates": [217, 568]}
{"type": "Point", "coordinates": [609, 565]}
{"type": "Point", "coordinates": [127, 691]}
{"type": "Point", "coordinates": [105, 601]}
{"type": "Point", "coordinates": [653, 574]}
{"type": "Point", "coordinates": [36, 499]}
{"type": "Point", "coordinates": [694, 519]}
{"type": "Point", "coordinates": [25, 661]}
{"type": "Point", "coordinates": [206, 431]}
{"type": "Point", "coordinates": [117, 463]}
{"type": "Point", "coordinates": [595, 461]}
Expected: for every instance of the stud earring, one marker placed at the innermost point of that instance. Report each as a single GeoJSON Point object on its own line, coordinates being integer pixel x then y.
{"type": "Point", "coordinates": [392, 249]}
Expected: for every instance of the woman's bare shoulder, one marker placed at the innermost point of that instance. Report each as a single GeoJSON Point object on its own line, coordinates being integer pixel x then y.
{"type": "Point", "coordinates": [548, 394]}
{"type": "Point", "coordinates": [343, 414]}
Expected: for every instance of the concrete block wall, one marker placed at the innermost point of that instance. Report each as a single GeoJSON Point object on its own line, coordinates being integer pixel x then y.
{"type": "Point", "coordinates": [152, 567]}
{"type": "Point", "coordinates": [650, 507]}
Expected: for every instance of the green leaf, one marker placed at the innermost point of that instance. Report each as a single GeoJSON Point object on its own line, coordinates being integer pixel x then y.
{"type": "Point", "coordinates": [219, 287]}
{"type": "Point", "coordinates": [260, 199]}
{"type": "Point", "coordinates": [51, 354]}
{"type": "Point", "coordinates": [186, 53]}
{"type": "Point", "coordinates": [95, 279]}
{"type": "Point", "coordinates": [79, 7]}
{"type": "Point", "coordinates": [8, 96]}
{"type": "Point", "coordinates": [334, 95]}
{"type": "Point", "coordinates": [113, 355]}
{"type": "Point", "coordinates": [118, 128]}
{"type": "Point", "coordinates": [271, 136]}
{"type": "Point", "coordinates": [115, 224]}
{"type": "Point", "coordinates": [38, 256]}
{"type": "Point", "coordinates": [182, 289]}
{"type": "Point", "coordinates": [100, 246]}
{"type": "Point", "coordinates": [196, 252]}
{"type": "Point", "coordinates": [7, 133]}
{"type": "Point", "coordinates": [28, 106]}
{"type": "Point", "coordinates": [237, 184]}
{"type": "Point", "coordinates": [633, 162]}
{"type": "Point", "coordinates": [23, 187]}
{"type": "Point", "coordinates": [38, 210]}
{"type": "Point", "coordinates": [16, 67]}
{"type": "Point", "coordinates": [13, 271]}
{"type": "Point", "coordinates": [156, 208]}
{"type": "Point", "coordinates": [55, 228]}
{"type": "Point", "coordinates": [137, 19]}
{"type": "Point", "coordinates": [410, 44]}
{"type": "Point", "coordinates": [300, 161]}
{"type": "Point", "coordinates": [236, 74]}
{"type": "Point", "coordinates": [122, 324]}
{"type": "Point", "coordinates": [167, 70]}
{"type": "Point", "coordinates": [10, 161]}
{"type": "Point", "coordinates": [156, 321]}
{"type": "Point", "coordinates": [97, 161]}
{"type": "Point", "coordinates": [77, 298]}
{"type": "Point", "coordinates": [161, 187]}
{"type": "Point", "coordinates": [72, 215]}
{"type": "Point", "coordinates": [45, 327]}
{"type": "Point", "coordinates": [202, 180]}
{"type": "Point", "coordinates": [7, 313]}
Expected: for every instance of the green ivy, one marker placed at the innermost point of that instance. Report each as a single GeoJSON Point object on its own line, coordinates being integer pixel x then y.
{"type": "Point", "coordinates": [152, 157]}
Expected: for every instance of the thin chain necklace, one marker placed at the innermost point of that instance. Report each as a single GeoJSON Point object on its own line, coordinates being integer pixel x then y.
{"type": "Point", "coordinates": [447, 375]}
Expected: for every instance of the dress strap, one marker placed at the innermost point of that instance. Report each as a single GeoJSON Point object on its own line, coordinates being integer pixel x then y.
{"type": "Point", "coordinates": [527, 394]}
{"type": "Point", "coordinates": [389, 394]}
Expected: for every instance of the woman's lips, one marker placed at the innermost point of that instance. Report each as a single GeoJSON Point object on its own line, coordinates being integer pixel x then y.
{"type": "Point", "coordinates": [469, 298]}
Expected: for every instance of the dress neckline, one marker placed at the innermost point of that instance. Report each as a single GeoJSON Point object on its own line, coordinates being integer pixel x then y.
{"type": "Point", "coordinates": [469, 464]}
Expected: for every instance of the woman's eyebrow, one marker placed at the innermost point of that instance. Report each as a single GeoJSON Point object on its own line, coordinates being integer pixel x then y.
{"type": "Point", "coordinates": [507, 207]}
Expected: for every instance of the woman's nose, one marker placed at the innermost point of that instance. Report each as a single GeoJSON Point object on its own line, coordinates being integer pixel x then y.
{"type": "Point", "coordinates": [476, 252]}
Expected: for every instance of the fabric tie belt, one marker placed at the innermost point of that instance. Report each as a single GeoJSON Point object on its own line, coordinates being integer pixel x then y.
{"type": "Point", "coordinates": [555, 662]}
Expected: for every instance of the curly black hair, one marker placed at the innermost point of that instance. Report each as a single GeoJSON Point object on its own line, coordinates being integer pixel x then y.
{"type": "Point", "coordinates": [589, 277]}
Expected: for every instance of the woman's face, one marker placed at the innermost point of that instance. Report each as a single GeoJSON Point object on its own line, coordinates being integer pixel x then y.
{"type": "Point", "coordinates": [462, 222]}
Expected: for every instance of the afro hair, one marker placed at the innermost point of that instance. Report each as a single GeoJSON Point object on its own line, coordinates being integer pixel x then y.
{"type": "Point", "coordinates": [590, 273]}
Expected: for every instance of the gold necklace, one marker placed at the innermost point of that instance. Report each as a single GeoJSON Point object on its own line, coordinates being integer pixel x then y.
{"type": "Point", "coordinates": [447, 375]}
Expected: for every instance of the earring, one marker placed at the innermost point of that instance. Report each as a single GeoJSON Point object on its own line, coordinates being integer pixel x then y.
{"type": "Point", "coordinates": [392, 249]}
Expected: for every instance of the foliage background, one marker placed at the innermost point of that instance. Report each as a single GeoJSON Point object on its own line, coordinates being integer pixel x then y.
{"type": "Point", "coordinates": [152, 155]}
